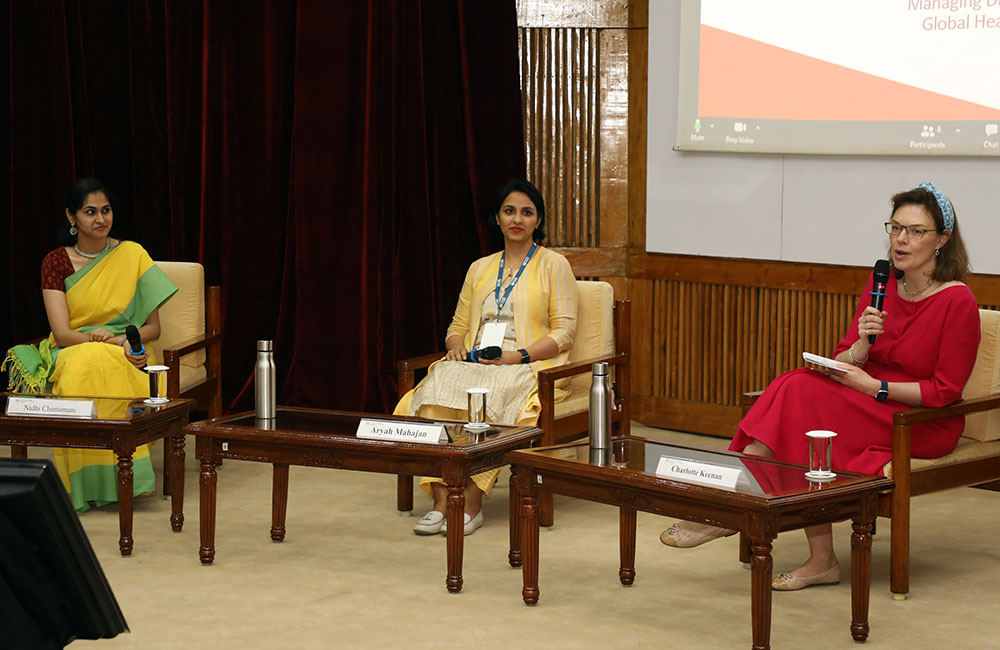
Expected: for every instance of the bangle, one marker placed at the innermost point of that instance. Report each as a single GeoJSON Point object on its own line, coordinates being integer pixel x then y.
{"type": "Point", "coordinates": [850, 353]}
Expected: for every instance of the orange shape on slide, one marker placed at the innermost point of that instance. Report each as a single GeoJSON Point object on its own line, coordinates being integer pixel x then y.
{"type": "Point", "coordinates": [743, 77]}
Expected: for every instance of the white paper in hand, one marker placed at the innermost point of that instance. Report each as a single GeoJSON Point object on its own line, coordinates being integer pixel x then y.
{"type": "Point", "coordinates": [824, 361]}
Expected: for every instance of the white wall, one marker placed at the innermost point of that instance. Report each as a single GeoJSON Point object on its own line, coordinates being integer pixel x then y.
{"type": "Point", "coordinates": [823, 209]}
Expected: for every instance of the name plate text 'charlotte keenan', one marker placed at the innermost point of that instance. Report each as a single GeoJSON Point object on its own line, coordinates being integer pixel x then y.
{"type": "Point", "coordinates": [694, 472]}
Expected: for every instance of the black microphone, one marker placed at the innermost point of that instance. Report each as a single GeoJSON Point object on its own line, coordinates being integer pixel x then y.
{"type": "Point", "coordinates": [490, 353]}
{"type": "Point", "coordinates": [880, 278]}
{"type": "Point", "coordinates": [135, 341]}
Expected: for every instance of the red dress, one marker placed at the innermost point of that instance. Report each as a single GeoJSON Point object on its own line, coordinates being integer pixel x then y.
{"type": "Point", "coordinates": [932, 341]}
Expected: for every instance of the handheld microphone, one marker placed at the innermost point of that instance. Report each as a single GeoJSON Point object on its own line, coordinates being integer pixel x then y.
{"type": "Point", "coordinates": [880, 278]}
{"type": "Point", "coordinates": [135, 341]}
{"type": "Point", "coordinates": [489, 353]}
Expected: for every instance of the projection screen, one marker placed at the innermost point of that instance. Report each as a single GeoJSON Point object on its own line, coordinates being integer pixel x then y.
{"type": "Point", "coordinates": [887, 77]}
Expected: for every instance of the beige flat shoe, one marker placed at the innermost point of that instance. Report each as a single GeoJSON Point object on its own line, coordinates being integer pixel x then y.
{"type": "Point", "coordinates": [682, 538]}
{"type": "Point", "coordinates": [472, 524]}
{"type": "Point", "coordinates": [429, 524]}
{"type": "Point", "coordinates": [788, 582]}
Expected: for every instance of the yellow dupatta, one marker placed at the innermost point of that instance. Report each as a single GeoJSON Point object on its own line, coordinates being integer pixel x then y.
{"type": "Point", "coordinates": [120, 287]}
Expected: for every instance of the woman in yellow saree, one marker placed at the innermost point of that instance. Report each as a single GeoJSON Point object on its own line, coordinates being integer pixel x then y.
{"type": "Point", "coordinates": [92, 290]}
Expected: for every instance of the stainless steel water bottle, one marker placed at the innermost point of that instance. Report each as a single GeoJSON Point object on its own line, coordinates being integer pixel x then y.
{"type": "Point", "coordinates": [600, 407]}
{"type": "Point", "coordinates": [264, 386]}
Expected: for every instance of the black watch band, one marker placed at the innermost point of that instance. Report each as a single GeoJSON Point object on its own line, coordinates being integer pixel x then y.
{"type": "Point", "coordinates": [883, 392]}
{"type": "Point", "coordinates": [525, 357]}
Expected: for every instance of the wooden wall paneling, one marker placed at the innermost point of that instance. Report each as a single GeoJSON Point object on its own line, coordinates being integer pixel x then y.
{"type": "Point", "coordinates": [725, 361]}
{"type": "Point", "coordinates": [778, 317]}
{"type": "Point", "coordinates": [759, 333]}
{"type": "Point", "coordinates": [560, 73]}
{"type": "Point", "coordinates": [687, 342]}
{"type": "Point", "coordinates": [687, 339]}
{"type": "Point", "coordinates": [574, 13]}
{"type": "Point", "coordinates": [713, 368]}
{"type": "Point", "coordinates": [576, 76]}
{"type": "Point", "coordinates": [613, 227]}
{"type": "Point", "coordinates": [668, 350]}
{"type": "Point", "coordinates": [686, 415]}
{"type": "Point", "coordinates": [659, 333]}
{"type": "Point", "coordinates": [642, 342]}
{"type": "Point", "coordinates": [695, 357]}
{"type": "Point", "coordinates": [638, 49]}
{"type": "Point", "coordinates": [708, 348]}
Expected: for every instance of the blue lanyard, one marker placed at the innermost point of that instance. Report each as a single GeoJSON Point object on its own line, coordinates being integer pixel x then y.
{"type": "Point", "coordinates": [496, 294]}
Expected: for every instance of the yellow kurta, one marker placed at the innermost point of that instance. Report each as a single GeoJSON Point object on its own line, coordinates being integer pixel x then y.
{"type": "Point", "coordinates": [545, 304]}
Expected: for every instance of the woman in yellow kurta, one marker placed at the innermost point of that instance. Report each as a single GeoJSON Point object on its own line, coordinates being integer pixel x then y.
{"type": "Point", "coordinates": [93, 289]}
{"type": "Point", "coordinates": [524, 295]}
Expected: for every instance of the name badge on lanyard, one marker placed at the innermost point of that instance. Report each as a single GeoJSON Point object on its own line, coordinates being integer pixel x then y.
{"type": "Point", "coordinates": [493, 334]}
{"type": "Point", "coordinates": [496, 294]}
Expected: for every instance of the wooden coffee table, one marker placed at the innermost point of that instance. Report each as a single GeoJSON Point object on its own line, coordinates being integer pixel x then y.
{"type": "Point", "coordinates": [121, 425]}
{"type": "Point", "coordinates": [320, 438]}
{"type": "Point", "coordinates": [771, 497]}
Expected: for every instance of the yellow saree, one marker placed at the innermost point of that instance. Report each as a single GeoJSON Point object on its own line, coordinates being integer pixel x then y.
{"type": "Point", "coordinates": [120, 287]}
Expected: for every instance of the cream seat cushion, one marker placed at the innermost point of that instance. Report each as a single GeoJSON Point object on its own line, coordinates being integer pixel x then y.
{"type": "Point", "coordinates": [985, 379]}
{"type": "Point", "coordinates": [981, 437]}
{"type": "Point", "coordinates": [595, 337]}
{"type": "Point", "coordinates": [183, 317]}
{"type": "Point", "coordinates": [967, 449]}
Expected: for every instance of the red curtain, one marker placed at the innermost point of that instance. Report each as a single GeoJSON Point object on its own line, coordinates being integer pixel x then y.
{"type": "Point", "coordinates": [329, 163]}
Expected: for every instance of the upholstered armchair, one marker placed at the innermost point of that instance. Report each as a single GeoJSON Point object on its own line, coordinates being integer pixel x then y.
{"type": "Point", "coordinates": [190, 342]}
{"type": "Point", "coordinates": [975, 462]}
{"type": "Point", "coordinates": [603, 334]}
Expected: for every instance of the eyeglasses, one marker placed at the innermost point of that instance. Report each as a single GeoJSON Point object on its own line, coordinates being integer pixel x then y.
{"type": "Point", "coordinates": [913, 232]}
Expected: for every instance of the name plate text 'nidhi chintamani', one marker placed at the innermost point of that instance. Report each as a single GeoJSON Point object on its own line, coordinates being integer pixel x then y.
{"type": "Point", "coordinates": [51, 408]}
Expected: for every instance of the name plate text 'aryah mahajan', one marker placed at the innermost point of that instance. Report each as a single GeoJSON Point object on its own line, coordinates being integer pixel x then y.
{"type": "Point", "coordinates": [51, 408]}
{"type": "Point", "coordinates": [694, 472]}
{"type": "Point", "coordinates": [402, 431]}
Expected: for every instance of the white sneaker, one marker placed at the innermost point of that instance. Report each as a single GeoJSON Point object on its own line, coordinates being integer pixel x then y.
{"type": "Point", "coordinates": [471, 523]}
{"type": "Point", "coordinates": [430, 524]}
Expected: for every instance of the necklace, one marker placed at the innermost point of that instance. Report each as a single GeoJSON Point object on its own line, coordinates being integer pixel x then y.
{"type": "Point", "coordinates": [906, 288]}
{"type": "Point", "coordinates": [107, 245]}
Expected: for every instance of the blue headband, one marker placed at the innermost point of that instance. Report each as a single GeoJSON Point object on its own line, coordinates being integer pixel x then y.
{"type": "Point", "coordinates": [947, 212]}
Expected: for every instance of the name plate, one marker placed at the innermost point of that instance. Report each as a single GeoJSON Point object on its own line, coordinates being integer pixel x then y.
{"type": "Point", "coordinates": [694, 472]}
{"type": "Point", "coordinates": [402, 431]}
{"type": "Point", "coordinates": [51, 408]}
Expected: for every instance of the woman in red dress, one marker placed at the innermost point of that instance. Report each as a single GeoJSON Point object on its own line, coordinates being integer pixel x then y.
{"type": "Point", "coordinates": [927, 337]}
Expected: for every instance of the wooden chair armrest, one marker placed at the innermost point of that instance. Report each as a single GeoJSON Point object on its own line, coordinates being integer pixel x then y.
{"type": "Point", "coordinates": [190, 345]}
{"type": "Point", "coordinates": [418, 363]}
{"type": "Point", "coordinates": [920, 414]}
{"type": "Point", "coordinates": [406, 369]}
{"type": "Point", "coordinates": [550, 375]}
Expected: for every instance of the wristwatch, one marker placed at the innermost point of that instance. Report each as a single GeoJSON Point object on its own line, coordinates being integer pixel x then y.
{"type": "Point", "coordinates": [883, 392]}
{"type": "Point", "coordinates": [525, 357]}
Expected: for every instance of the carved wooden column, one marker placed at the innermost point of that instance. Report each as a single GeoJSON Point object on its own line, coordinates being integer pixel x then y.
{"type": "Point", "coordinates": [583, 84]}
